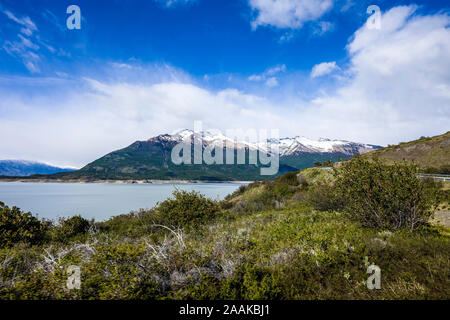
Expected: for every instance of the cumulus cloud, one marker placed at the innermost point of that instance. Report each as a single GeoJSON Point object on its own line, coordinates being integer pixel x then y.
{"type": "Point", "coordinates": [288, 13]}
{"type": "Point", "coordinates": [323, 68]}
{"type": "Point", "coordinates": [399, 83]}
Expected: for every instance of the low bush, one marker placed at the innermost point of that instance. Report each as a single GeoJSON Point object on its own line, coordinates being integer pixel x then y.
{"type": "Point", "coordinates": [186, 209]}
{"type": "Point", "coordinates": [289, 178]}
{"type": "Point", "coordinates": [386, 196]}
{"type": "Point", "coordinates": [134, 224]}
{"type": "Point", "coordinates": [19, 226]}
{"type": "Point", "coordinates": [323, 197]}
{"type": "Point", "coordinates": [69, 228]}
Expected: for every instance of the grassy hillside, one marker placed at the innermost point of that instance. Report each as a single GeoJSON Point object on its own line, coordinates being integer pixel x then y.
{"type": "Point", "coordinates": [281, 239]}
{"type": "Point", "coordinates": [431, 154]}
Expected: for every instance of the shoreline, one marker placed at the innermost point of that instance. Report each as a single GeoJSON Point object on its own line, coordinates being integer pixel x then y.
{"type": "Point", "coordinates": [146, 181]}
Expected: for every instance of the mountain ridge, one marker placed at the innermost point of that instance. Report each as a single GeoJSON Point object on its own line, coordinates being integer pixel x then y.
{"type": "Point", "coordinates": [287, 145]}
{"type": "Point", "coordinates": [14, 168]}
{"type": "Point", "coordinates": [151, 158]}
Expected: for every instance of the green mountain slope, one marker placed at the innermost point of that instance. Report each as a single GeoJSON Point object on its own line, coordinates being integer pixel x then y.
{"type": "Point", "coordinates": [152, 160]}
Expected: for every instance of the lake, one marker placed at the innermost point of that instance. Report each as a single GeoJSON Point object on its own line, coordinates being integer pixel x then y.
{"type": "Point", "coordinates": [99, 201]}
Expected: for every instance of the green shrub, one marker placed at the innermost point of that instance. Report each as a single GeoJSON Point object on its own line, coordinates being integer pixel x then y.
{"type": "Point", "coordinates": [385, 196]}
{"type": "Point", "coordinates": [444, 169]}
{"type": "Point", "coordinates": [266, 196]}
{"type": "Point", "coordinates": [289, 178]}
{"type": "Point", "coordinates": [324, 197]}
{"type": "Point", "coordinates": [445, 195]}
{"type": "Point", "coordinates": [134, 224]}
{"type": "Point", "coordinates": [186, 209]}
{"type": "Point", "coordinates": [19, 226]}
{"type": "Point", "coordinates": [68, 228]}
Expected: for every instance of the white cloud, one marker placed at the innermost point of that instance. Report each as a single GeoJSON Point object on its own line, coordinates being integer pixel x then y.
{"type": "Point", "coordinates": [171, 3]}
{"type": "Point", "coordinates": [256, 77]}
{"type": "Point", "coordinates": [272, 82]}
{"type": "Point", "coordinates": [26, 21]}
{"type": "Point", "coordinates": [323, 68]}
{"type": "Point", "coordinates": [27, 43]}
{"type": "Point", "coordinates": [288, 13]}
{"type": "Point", "coordinates": [286, 37]}
{"type": "Point", "coordinates": [323, 27]}
{"type": "Point", "coordinates": [399, 88]}
{"type": "Point", "coordinates": [274, 70]}
{"type": "Point", "coordinates": [26, 31]}
{"type": "Point", "coordinates": [269, 76]}
{"type": "Point", "coordinates": [348, 4]}
{"type": "Point", "coordinates": [25, 49]}
{"type": "Point", "coordinates": [32, 67]}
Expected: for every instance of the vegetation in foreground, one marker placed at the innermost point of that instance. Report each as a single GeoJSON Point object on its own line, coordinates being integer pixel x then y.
{"type": "Point", "coordinates": [310, 235]}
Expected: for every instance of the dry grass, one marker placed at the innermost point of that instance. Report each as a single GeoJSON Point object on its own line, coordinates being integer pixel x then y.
{"type": "Point", "coordinates": [426, 152]}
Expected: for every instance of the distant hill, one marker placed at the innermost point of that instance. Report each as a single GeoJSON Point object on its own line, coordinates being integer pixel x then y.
{"type": "Point", "coordinates": [432, 154]}
{"type": "Point", "coordinates": [27, 168]}
{"type": "Point", "coordinates": [151, 159]}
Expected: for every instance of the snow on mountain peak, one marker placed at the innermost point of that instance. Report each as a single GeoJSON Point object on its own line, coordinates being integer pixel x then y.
{"type": "Point", "coordinates": [287, 146]}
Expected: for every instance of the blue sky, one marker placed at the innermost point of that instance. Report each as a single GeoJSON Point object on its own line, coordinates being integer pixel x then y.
{"type": "Point", "coordinates": [198, 36]}
{"type": "Point", "coordinates": [140, 68]}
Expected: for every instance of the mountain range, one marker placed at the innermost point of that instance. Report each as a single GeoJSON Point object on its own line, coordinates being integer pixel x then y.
{"type": "Point", "coordinates": [151, 159]}
{"type": "Point", "coordinates": [26, 168]}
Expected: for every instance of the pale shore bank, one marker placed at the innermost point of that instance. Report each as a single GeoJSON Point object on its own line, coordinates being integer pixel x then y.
{"type": "Point", "coordinates": [148, 181]}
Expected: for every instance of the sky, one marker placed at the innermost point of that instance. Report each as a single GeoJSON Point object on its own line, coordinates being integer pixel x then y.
{"type": "Point", "coordinates": [139, 68]}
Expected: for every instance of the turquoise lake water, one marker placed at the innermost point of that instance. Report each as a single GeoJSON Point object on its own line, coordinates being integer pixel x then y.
{"type": "Point", "coordinates": [97, 200]}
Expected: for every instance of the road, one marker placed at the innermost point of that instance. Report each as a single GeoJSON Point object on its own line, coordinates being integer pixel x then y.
{"type": "Point", "coordinates": [440, 177]}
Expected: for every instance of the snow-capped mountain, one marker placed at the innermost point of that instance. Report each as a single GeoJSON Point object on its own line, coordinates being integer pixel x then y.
{"type": "Point", "coordinates": [299, 145]}
{"type": "Point", "coordinates": [152, 158]}
{"type": "Point", "coordinates": [26, 168]}
{"type": "Point", "coordinates": [286, 146]}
